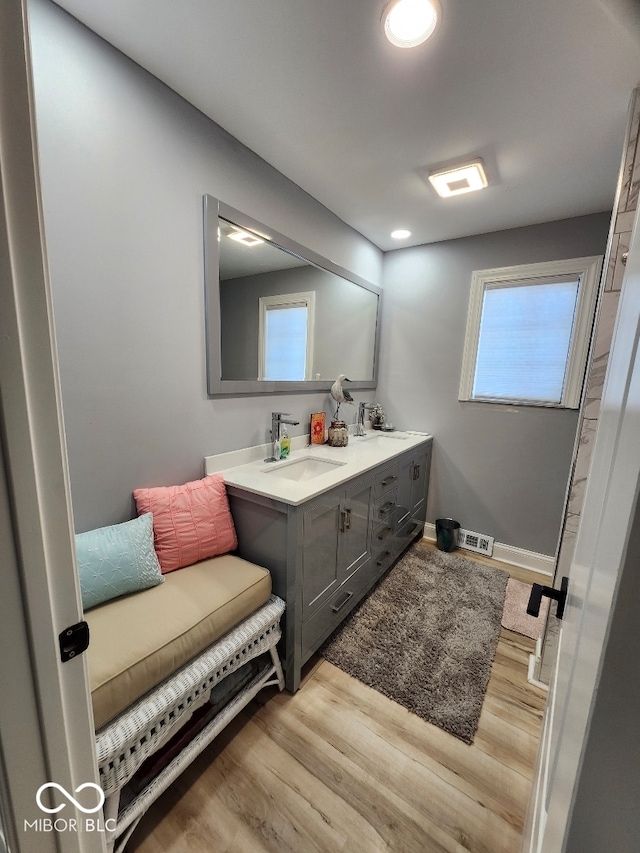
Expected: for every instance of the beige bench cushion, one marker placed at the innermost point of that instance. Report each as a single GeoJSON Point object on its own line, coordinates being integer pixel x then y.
{"type": "Point", "coordinates": [139, 640]}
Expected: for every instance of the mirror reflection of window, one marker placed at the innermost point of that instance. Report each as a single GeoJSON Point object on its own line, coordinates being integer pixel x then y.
{"type": "Point", "coordinates": [286, 336]}
{"type": "Point", "coordinates": [341, 333]}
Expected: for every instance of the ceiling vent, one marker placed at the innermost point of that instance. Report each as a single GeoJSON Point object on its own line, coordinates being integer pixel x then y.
{"type": "Point", "coordinates": [456, 180]}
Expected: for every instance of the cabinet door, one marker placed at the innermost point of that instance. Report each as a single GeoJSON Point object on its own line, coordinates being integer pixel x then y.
{"type": "Point", "coordinates": [320, 543]}
{"type": "Point", "coordinates": [412, 496]}
{"type": "Point", "coordinates": [355, 529]}
{"type": "Point", "coordinates": [405, 489]}
{"type": "Point", "coordinates": [419, 484]}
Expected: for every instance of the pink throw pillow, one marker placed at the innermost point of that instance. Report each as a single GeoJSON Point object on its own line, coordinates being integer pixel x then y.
{"type": "Point", "coordinates": [190, 522]}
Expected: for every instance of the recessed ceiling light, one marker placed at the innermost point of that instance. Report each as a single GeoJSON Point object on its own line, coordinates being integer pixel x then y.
{"type": "Point", "coordinates": [408, 23]}
{"type": "Point", "coordinates": [244, 237]}
{"type": "Point", "coordinates": [465, 178]}
{"type": "Point", "coordinates": [401, 234]}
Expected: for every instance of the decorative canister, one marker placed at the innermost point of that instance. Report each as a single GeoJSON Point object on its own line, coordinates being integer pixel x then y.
{"type": "Point", "coordinates": [377, 416]}
{"type": "Point", "coordinates": [338, 434]}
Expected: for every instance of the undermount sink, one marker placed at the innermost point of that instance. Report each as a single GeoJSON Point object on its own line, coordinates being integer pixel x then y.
{"type": "Point", "coordinates": [383, 434]}
{"type": "Point", "coordinates": [303, 469]}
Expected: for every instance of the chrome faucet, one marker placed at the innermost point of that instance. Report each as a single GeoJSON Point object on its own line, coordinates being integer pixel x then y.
{"type": "Point", "coordinates": [362, 407]}
{"type": "Point", "coordinates": [277, 419]}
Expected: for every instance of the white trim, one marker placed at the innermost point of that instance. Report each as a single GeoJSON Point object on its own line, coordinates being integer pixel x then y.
{"type": "Point", "coordinates": [48, 737]}
{"type": "Point", "coordinates": [287, 300]}
{"type": "Point", "coordinates": [587, 270]}
{"type": "Point", "coordinates": [606, 549]}
{"type": "Point", "coordinates": [533, 667]}
{"type": "Point", "coordinates": [520, 557]}
{"type": "Point", "coordinates": [541, 563]}
{"type": "Point", "coordinates": [536, 820]}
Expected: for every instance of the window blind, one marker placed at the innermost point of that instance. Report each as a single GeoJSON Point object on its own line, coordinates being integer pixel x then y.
{"type": "Point", "coordinates": [286, 342]}
{"type": "Point", "coordinates": [524, 340]}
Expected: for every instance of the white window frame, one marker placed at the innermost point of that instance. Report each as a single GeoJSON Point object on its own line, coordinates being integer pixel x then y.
{"type": "Point", "coordinates": [587, 270]}
{"type": "Point", "coordinates": [286, 300]}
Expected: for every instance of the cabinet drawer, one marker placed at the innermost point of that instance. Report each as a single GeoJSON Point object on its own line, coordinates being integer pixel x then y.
{"type": "Point", "coordinates": [383, 534]}
{"type": "Point", "coordinates": [407, 532]}
{"type": "Point", "coordinates": [386, 479]}
{"type": "Point", "coordinates": [382, 557]}
{"type": "Point", "coordinates": [318, 626]}
{"type": "Point", "coordinates": [385, 506]}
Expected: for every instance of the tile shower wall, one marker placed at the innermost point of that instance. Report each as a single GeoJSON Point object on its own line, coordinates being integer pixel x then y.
{"type": "Point", "coordinates": [620, 237]}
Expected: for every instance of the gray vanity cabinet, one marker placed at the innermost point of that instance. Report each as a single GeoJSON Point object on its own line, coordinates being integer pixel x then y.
{"type": "Point", "coordinates": [412, 496]}
{"type": "Point", "coordinates": [326, 553]}
{"type": "Point", "coordinates": [335, 542]}
{"type": "Point", "coordinates": [412, 487]}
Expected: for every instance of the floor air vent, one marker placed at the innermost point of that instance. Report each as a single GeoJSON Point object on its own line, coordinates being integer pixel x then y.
{"type": "Point", "coordinates": [477, 542]}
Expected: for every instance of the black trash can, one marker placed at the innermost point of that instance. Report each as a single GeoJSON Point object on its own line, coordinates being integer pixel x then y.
{"type": "Point", "coordinates": [447, 533]}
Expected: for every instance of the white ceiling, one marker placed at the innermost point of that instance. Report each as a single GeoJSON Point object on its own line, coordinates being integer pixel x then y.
{"type": "Point", "coordinates": [538, 88]}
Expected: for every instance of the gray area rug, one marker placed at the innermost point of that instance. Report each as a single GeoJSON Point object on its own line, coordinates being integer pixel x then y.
{"type": "Point", "coordinates": [426, 637]}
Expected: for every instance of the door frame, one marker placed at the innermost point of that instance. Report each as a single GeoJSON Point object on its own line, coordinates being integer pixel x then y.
{"type": "Point", "coordinates": [46, 728]}
{"type": "Point", "coordinates": [599, 561]}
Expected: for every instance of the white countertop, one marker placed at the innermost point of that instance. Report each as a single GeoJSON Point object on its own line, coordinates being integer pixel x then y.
{"type": "Point", "coordinates": [247, 469]}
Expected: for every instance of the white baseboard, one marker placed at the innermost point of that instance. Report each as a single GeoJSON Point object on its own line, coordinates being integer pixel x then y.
{"type": "Point", "coordinates": [508, 554]}
{"type": "Point", "coordinates": [534, 667]}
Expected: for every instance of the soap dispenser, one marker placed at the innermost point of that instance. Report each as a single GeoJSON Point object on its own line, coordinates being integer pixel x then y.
{"type": "Point", "coordinates": [285, 443]}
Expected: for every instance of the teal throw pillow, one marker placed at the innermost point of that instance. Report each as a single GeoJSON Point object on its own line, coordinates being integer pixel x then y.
{"type": "Point", "coordinates": [116, 560]}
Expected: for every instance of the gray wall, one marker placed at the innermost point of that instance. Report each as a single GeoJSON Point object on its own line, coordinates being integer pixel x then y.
{"type": "Point", "coordinates": [124, 165]}
{"type": "Point", "coordinates": [500, 470]}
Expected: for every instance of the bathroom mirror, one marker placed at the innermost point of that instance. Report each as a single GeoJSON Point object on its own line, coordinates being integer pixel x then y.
{"type": "Point", "coordinates": [281, 318]}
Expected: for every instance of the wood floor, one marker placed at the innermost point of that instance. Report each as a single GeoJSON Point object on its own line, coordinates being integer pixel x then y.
{"type": "Point", "coordinates": [339, 767]}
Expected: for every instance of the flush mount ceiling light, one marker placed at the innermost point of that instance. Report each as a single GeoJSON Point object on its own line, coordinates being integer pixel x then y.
{"type": "Point", "coordinates": [465, 178]}
{"type": "Point", "coordinates": [244, 237]}
{"type": "Point", "coordinates": [401, 234]}
{"type": "Point", "coordinates": [408, 23]}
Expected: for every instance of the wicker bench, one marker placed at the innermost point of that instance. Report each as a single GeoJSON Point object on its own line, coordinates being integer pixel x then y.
{"type": "Point", "coordinates": [170, 667]}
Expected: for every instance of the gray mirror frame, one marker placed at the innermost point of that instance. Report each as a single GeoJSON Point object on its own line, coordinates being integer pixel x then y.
{"type": "Point", "coordinates": [216, 385]}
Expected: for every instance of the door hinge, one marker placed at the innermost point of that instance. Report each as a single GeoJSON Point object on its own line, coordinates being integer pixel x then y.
{"type": "Point", "coordinates": [73, 641]}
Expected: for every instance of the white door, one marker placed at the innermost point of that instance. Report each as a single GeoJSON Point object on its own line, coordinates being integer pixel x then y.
{"type": "Point", "coordinates": [45, 714]}
{"type": "Point", "coordinates": [607, 518]}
